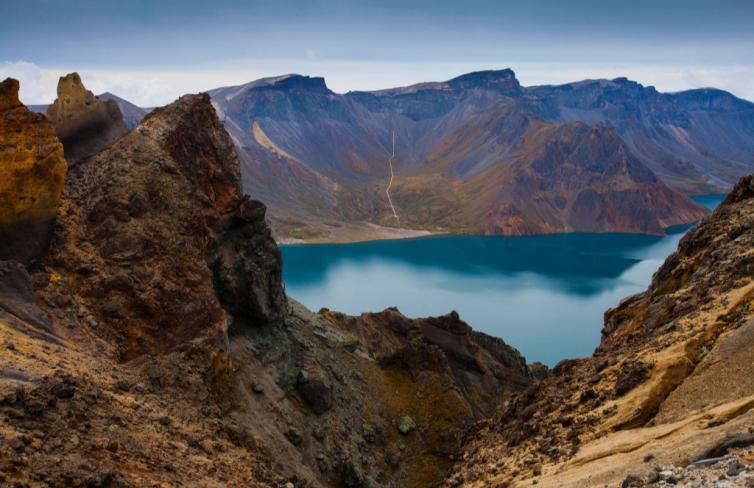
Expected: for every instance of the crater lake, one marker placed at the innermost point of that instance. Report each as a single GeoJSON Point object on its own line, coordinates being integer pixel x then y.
{"type": "Point", "coordinates": [545, 295]}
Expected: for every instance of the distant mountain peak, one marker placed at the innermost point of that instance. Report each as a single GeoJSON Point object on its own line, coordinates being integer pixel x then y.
{"type": "Point", "coordinates": [504, 79]}
{"type": "Point", "coordinates": [311, 83]}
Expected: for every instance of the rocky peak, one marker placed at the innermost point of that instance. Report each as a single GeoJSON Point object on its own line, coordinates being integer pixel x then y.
{"type": "Point", "coordinates": [142, 217]}
{"type": "Point", "coordinates": [298, 82]}
{"type": "Point", "coordinates": [9, 94]}
{"type": "Point", "coordinates": [84, 123]}
{"type": "Point", "coordinates": [501, 80]}
{"type": "Point", "coordinates": [32, 171]}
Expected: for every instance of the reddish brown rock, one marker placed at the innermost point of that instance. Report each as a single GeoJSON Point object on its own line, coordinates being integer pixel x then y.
{"type": "Point", "coordinates": [141, 218]}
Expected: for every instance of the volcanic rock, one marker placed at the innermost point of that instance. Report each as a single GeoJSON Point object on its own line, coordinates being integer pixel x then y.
{"type": "Point", "coordinates": [32, 173]}
{"type": "Point", "coordinates": [84, 123]}
{"type": "Point", "coordinates": [155, 203]}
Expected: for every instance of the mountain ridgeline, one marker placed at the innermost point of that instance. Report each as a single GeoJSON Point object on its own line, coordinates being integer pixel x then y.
{"type": "Point", "coordinates": [482, 154]}
{"type": "Point", "coordinates": [148, 340]}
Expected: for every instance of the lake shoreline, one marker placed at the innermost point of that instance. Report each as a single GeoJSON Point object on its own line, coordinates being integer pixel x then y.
{"type": "Point", "coordinates": [382, 233]}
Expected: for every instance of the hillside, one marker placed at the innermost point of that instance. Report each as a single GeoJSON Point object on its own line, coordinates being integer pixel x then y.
{"type": "Point", "coordinates": [667, 393]}
{"type": "Point", "coordinates": [468, 149]}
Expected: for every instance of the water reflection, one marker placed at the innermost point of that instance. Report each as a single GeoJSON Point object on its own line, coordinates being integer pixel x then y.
{"type": "Point", "coordinates": [543, 294]}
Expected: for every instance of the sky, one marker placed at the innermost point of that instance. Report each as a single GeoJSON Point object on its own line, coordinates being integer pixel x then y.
{"type": "Point", "coordinates": [152, 51]}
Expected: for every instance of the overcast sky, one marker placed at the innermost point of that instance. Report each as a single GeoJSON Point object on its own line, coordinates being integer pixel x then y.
{"type": "Point", "coordinates": [152, 51]}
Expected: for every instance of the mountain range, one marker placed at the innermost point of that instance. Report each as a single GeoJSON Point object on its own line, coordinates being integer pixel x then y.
{"type": "Point", "coordinates": [482, 154]}
{"type": "Point", "coordinates": [479, 154]}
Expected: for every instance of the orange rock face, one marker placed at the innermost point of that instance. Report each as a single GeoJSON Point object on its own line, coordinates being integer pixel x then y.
{"type": "Point", "coordinates": [32, 172]}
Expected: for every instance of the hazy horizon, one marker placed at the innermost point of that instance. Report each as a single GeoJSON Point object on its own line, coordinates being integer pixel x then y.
{"type": "Point", "coordinates": [152, 52]}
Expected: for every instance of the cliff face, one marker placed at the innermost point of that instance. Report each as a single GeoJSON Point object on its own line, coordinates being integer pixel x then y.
{"type": "Point", "coordinates": [84, 123]}
{"type": "Point", "coordinates": [32, 172]}
{"type": "Point", "coordinates": [155, 344]}
{"type": "Point", "coordinates": [138, 222]}
{"type": "Point", "coordinates": [668, 385]}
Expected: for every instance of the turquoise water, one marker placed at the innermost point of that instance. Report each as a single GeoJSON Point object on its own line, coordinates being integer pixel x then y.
{"type": "Point", "coordinates": [545, 295]}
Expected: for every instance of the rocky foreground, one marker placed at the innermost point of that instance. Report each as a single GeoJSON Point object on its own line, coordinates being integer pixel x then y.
{"type": "Point", "coordinates": [152, 344]}
{"type": "Point", "coordinates": [671, 383]}
{"type": "Point", "coordinates": [146, 340]}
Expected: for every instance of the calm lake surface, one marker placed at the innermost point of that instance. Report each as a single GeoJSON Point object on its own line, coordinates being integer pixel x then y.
{"type": "Point", "coordinates": [545, 295]}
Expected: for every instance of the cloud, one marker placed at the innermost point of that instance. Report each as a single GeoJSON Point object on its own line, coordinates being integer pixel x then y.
{"type": "Point", "coordinates": [37, 85]}
{"type": "Point", "coordinates": [153, 87]}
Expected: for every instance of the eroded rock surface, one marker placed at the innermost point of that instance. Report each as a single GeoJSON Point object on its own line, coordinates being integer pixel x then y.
{"type": "Point", "coordinates": [84, 123]}
{"type": "Point", "coordinates": [32, 173]}
{"type": "Point", "coordinates": [139, 220]}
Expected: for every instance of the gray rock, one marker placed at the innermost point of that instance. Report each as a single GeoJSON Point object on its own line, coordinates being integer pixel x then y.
{"type": "Point", "coordinates": [668, 476]}
{"type": "Point", "coordinates": [247, 267]}
{"type": "Point", "coordinates": [257, 388]}
{"type": "Point", "coordinates": [406, 425]}
{"type": "Point", "coordinates": [735, 468]}
{"type": "Point", "coordinates": [165, 420]}
{"type": "Point", "coordinates": [319, 434]}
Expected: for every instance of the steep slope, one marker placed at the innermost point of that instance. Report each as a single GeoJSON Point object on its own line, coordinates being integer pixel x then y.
{"type": "Point", "coordinates": [32, 170]}
{"type": "Point", "coordinates": [669, 383]}
{"type": "Point", "coordinates": [155, 344]}
{"type": "Point", "coordinates": [319, 159]}
{"type": "Point", "coordinates": [696, 140]}
{"type": "Point", "coordinates": [84, 123]}
{"type": "Point", "coordinates": [560, 179]}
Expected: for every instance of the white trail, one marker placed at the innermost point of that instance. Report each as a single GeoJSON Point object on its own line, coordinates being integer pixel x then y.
{"type": "Point", "coordinates": [387, 190]}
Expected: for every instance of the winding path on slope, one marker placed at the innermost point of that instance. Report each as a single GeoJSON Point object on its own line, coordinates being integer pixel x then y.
{"type": "Point", "coordinates": [387, 190]}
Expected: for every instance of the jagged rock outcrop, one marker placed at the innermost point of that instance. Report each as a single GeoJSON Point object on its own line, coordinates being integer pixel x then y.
{"type": "Point", "coordinates": [84, 123]}
{"type": "Point", "coordinates": [247, 268]}
{"type": "Point", "coordinates": [139, 221]}
{"type": "Point", "coordinates": [670, 379]}
{"type": "Point", "coordinates": [115, 349]}
{"type": "Point", "coordinates": [32, 173]}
